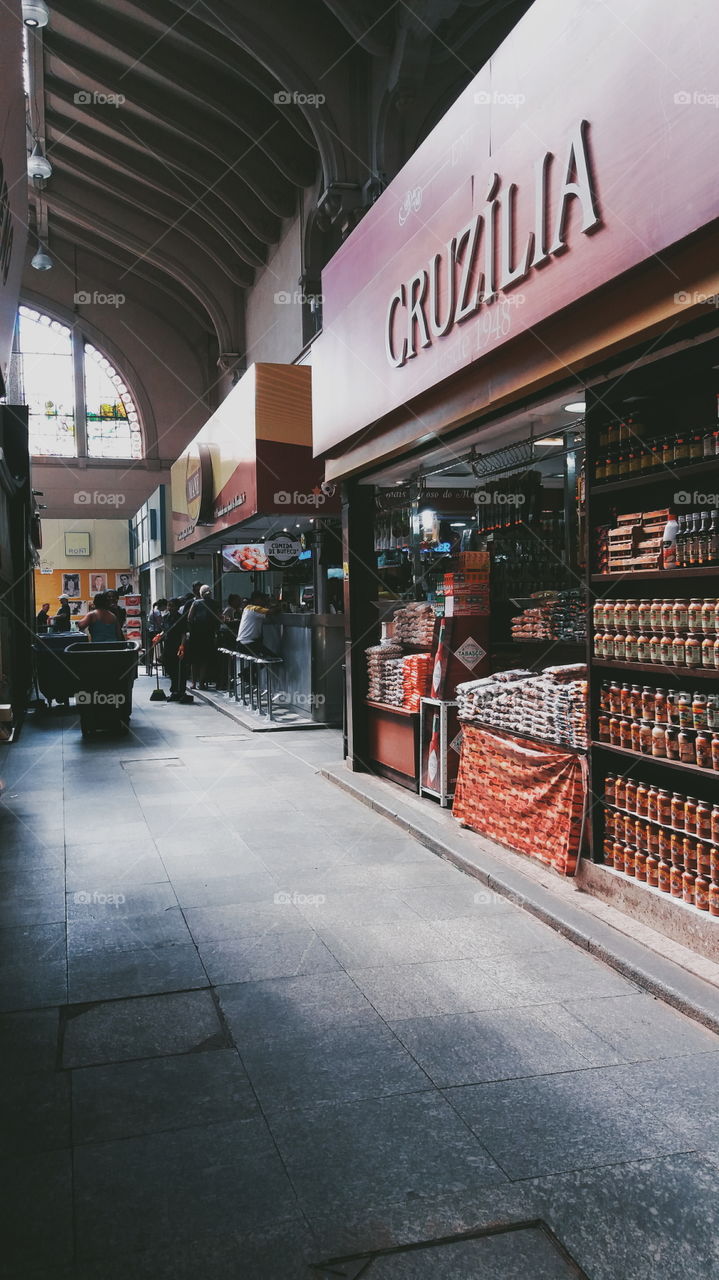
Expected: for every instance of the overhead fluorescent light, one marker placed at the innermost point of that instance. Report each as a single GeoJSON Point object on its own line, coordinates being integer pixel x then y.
{"type": "Point", "coordinates": [576, 406]}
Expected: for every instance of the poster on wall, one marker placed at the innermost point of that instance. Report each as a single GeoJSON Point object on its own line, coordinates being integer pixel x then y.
{"type": "Point", "coordinates": [247, 558]}
{"type": "Point", "coordinates": [78, 608]}
{"type": "Point", "coordinates": [98, 583]}
{"type": "Point", "coordinates": [125, 584]}
{"type": "Point", "coordinates": [71, 584]}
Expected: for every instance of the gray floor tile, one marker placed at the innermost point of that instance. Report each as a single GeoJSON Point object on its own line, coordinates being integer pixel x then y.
{"type": "Point", "coordinates": [640, 1026]}
{"type": "Point", "coordinates": [37, 1211]}
{"type": "Point", "coordinates": [374, 946]}
{"type": "Point", "coordinates": [422, 990]}
{"type": "Point", "coordinates": [281, 1253]}
{"type": "Point", "coordinates": [173, 1186]}
{"type": "Point", "coordinates": [374, 1151]}
{"type": "Point", "coordinates": [497, 1044]}
{"type": "Point", "coordinates": [127, 933]}
{"type": "Point", "coordinates": [341, 1063]}
{"type": "Point", "coordinates": [268, 955]}
{"type": "Point", "coordinates": [35, 1112]}
{"type": "Point", "coordinates": [32, 909]}
{"type": "Point", "coordinates": [529, 1252]}
{"type": "Point", "coordinates": [129, 1098]}
{"type": "Point", "coordinates": [240, 919]}
{"type": "Point", "coordinates": [492, 931]}
{"type": "Point", "coordinates": [134, 973]}
{"type": "Point", "coordinates": [151, 1026]}
{"type": "Point", "coordinates": [284, 1007]}
{"type": "Point", "coordinates": [559, 1123]}
{"type": "Point", "coordinates": [559, 973]}
{"type": "Point", "coordinates": [681, 1092]}
{"type": "Point", "coordinates": [28, 1041]}
{"type": "Point", "coordinates": [111, 899]}
{"type": "Point", "coordinates": [220, 891]}
{"type": "Point", "coordinates": [185, 863]}
{"type": "Point", "coordinates": [131, 866]}
{"type": "Point", "coordinates": [457, 899]}
{"type": "Point", "coordinates": [33, 967]}
{"type": "Point", "coordinates": [379, 905]}
{"type": "Point", "coordinates": [136, 832]}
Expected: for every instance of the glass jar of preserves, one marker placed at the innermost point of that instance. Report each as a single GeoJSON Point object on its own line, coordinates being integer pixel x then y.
{"type": "Point", "coordinates": [631, 614]}
{"type": "Point", "coordinates": [608, 852]}
{"type": "Point", "coordinates": [667, 614]}
{"type": "Point", "coordinates": [708, 614]}
{"type": "Point", "coordinates": [598, 644]}
{"type": "Point", "coordinates": [598, 614]}
{"type": "Point", "coordinates": [625, 733]}
{"type": "Point", "coordinates": [652, 871]}
{"type": "Point", "coordinates": [641, 799]}
{"type": "Point", "coordinates": [655, 614]}
{"type": "Point", "coordinates": [672, 708]}
{"type": "Point", "coordinates": [644, 611]}
{"type": "Point", "coordinates": [660, 706]}
{"type": "Point", "coordinates": [604, 696]}
{"type": "Point", "coordinates": [688, 878]}
{"type": "Point", "coordinates": [625, 700]}
{"type": "Point", "coordinates": [619, 613]}
{"type": "Point", "coordinates": [676, 851]}
{"type": "Point", "coordinates": [608, 615]}
{"type": "Point", "coordinates": [618, 855]}
{"type": "Point", "coordinates": [647, 702]}
{"type": "Point", "coordinates": [635, 733]}
{"type": "Point", "coordinates": [694, 613]}
{"type": "Point", "coordinates": [665, 843]}
{"type": "Point", "coordinates": [684, 705]}
{"type": "Point", "coordinates": [689, 854]}
{"type": "Point", "coordinates": [716, 650]}
{"type": "Point", "coordinates": [659, 741]}
{"type": "Point", "coordinates": [690, 815]}
{"type": "Point", "coordinates": [664, 807]}
{"type": "Point", "coordinates": [692, 650]}
{"type": "Point", "coordinates": [652, 838]}
{"type": "Point", "coordinates": [676, 886]}
{"type": "Point", "coordinates": [652, 803]}
{"type": "Point", "coordinates": [631, 649]}
{"type": "Point", "coordinates": [645, 737]}
{"type": "Point", "coordinates": [686, 747]}
{"type": "Point", "coordinates": [615, 696]}
{"type": "Point", "coordinates": [603, 727]}
{"type": "Point", "coordinates": [644, 653]}
{"type": "Point", "coordinates": [714, 899]}
{"type": "Point", "coordinates": [666, 648]}
{"type": "Point", "coordinates": [714, 752]}
{"type": "Point", "coordinates": [708, 650]}
{"type": "Point", "coordinates": [620, 646]}
{"type": "Point", "coordinates": [610, 822]}
{"type": "Point", "coordinates": [664, 872]}
{"type": "Point", "coordinates": [672, 743]}
{"type": "Point", "coordinates": [629, 860]}
{"type": "Point", "coordinates": [635, 703]}
{"type": "Point", "coordinates": [714, 863]}
{"type": "Point", "coordinates": [620, 792]}
{"type": "Point", "coordinates": [702, 858]}
{"type": "Point", "coordinates": [680, 615]}
{"type": "Point", "coordinates": [607, 644]}
{"type": "Point", "coordinates": [630, 796]}
{"type": "Point", "coordinates": [701, 893]}
{"type": "Point", "coordinates": [641, 835]}
{"type": "Point", "coordinates": [609, 788]}
{"type": "Point", "coordinates": [700, 716]}
{"type": "Point", "coordinates": [676, 819]}
{"type": "Point", "coordinates": [626, 831]}
{"type": "Point", "coordinates": [614, 730]}
{"type": "Point", "coordinates": [703, 749]}
{"type": "Point", "coordinates": [655, 647]}
{"type": "Point", "coordinates": [678, 650]}
{"type": "Point", "coordinates": [640, 865]}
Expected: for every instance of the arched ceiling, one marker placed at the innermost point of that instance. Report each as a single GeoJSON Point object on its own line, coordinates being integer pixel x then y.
{"type": "Point", "coordinates": [182, 132]}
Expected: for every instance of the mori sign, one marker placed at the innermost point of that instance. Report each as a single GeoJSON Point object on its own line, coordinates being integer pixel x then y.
{"type": "Point", "coordinates": [573, 158]}
{"type": "Point", "coordinates": [482, 260]}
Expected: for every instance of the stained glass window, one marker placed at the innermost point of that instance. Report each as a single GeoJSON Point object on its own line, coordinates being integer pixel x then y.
{"type": "Point", "coordinates": [45, 380]}
{"type": "Point", "coordinates": [42, 376]}
{"type": "Point", "coordinates": [113, 426]}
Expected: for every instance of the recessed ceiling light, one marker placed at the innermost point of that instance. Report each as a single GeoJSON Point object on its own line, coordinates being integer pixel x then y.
{"type": "Point", "coordinates": [576, 406]}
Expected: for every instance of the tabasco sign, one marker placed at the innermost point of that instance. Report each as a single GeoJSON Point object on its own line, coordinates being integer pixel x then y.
{"type": "Point", "coordinates": [579, 152]}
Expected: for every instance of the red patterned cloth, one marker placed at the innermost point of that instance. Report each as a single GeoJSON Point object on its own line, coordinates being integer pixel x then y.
{"type": "Point", "coordinates": [524, 794]}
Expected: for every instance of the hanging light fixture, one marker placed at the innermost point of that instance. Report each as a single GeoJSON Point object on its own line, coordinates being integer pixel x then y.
{"type": "Point", "coordinates": [35, 13]}
{"type": "Point", "coordinates": [41, 260]}
{"type": "Point", "coordinates": [38, 165]}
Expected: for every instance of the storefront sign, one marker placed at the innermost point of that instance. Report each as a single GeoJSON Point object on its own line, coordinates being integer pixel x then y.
{"type": "Point", "coordinates": [546, 181]}
{"type": "Point", "coordinates": [476, 265]}
{"type": "Point", "coordinates": [283, 550]}
{"type": "Point", "coordinates": [470, 653]}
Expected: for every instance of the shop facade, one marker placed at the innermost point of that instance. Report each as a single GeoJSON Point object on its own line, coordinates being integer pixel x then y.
{"type": "Point", "coordinates": [249, 492]}
{"type": "Point", "coordinates": [516, 387]}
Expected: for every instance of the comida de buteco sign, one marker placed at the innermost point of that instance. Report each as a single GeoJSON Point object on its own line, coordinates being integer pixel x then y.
{"type": "Point", "coordinates": [481, 262]}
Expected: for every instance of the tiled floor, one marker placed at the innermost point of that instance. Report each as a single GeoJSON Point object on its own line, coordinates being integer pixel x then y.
{"type": "Point", "coordinates": [248, 1026]}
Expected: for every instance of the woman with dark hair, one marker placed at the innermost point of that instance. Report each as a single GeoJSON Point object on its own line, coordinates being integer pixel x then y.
{"type": "Point", "coordinates": [101, 622]}
{"type": "Point", "coordinates": [203, 622]}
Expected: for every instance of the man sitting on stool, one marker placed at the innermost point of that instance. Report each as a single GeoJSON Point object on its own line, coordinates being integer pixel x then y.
{"type": "Point", "coordinates": [254, 617]}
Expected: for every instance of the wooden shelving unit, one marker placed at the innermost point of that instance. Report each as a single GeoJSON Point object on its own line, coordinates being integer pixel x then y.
{"type": "Point", "coordinates": [653, 479]}
{"type": "Point", "coordinates": [658, 669]}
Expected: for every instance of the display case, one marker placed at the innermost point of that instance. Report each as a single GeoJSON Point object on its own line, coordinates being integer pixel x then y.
{"type": "Point", "coordinates": [653, 574]}
{"type": "Point", "coordinates": [440, 737]}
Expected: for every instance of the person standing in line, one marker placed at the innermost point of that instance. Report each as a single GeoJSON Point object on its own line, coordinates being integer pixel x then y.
{"type": "Point", "coordinates": [42, 620]}
{"type": "Point", "coordinates": [61, 621]}
{"type": "Point", "coordinates": [174, 648]}
{"type": "Point", "coordinates": [203, 622]}
{"type": "Point", "coordinates": [114, 607]}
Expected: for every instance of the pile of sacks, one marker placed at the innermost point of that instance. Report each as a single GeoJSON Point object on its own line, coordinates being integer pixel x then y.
{"type": "Point", "coordinates": [550, 706]}
{"type": "Point", "coordinates": [414, 624]}
{"type": "Point", "coordinates": [380, 672]}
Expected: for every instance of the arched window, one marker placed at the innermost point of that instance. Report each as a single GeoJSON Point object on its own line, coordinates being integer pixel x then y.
{"type": "Point", "coordinates": [78, 403]}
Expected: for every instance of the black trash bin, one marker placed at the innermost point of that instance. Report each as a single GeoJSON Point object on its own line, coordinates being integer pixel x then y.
{"type": "Point", "coordinates": [105, 673]}
{"type": "Point", "coordinates": [56, 677]}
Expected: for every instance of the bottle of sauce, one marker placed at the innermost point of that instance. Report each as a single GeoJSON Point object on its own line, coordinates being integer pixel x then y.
{"type": "Point", "coordinates": [608, 851]}
{"type": "Point", "coordinates": [635, 735]}
{"type": "Point", "coordinates": [618, 855]}
{"type": "Point", "coordinates": [659, 741]}
{"type": "Point", "coordinates": [629, 861]}
{"type": "Point", "coordinates": [642, 798]}
{"type": "Point", "coordinates": [677, 811]}
{"type": "Point", "coordinates": [631, 647]}
{"type": "Point", "coordinates": [672, 708]}
{"type": "Point", "coordinates": [714, 752]}
{"type": "Point", "coordinates": [672, 743]}
{"type": "Point", "coordinates": [676, 886]}
{"type": "Point", "coordinates": [694, 616]}
{"type": "Point", "coordinates": [644, 650]}
{"type": "Point", "coordinates": [620, 645]}
{"type": "Point", "coordinates": [702, 858]}
{"type": "Point", "coordinates": [603, 727]}
{"type": "Point", "coordinates": [701, 893]}
{"type": "Point", "coordinates": [689, 854]}
{"type": "Point", "coordinates": [619, 618]}
{"type": "Point", "coordinates": [655, 614]}
{"type": "Point", "coordinates": [609, 788]}
{"type": "Point", "coordinates": [715, 825]}
{"type": "Point", "coordinates": [666, 648]}
{"type": "Point", "coordinates": [680, 615]}
{"type": "Point", "coordinates": [630, 796]}
{"type": "Point", "coordinates": [684, 704]}
{"type": "Point", "coordinates": [620, 792]}
{"type": "Point", "coordinates": [664, 872]}
{"type": "Point", "coordinates": [645, 614]}
{"type": "Point", "coordinates": [667, 613]}
{"type": "Point", "coordinates": [598, 644]}
{"type": "Point", "coordinates": [607, 645]}
{"type": "Point", "coordinates": [716, 651]}
{"type": "Point", "coordinates": [625, 733]}
{"type": "Point", "coordinates": [692, 650]}
{"type": "Point", "coordinates": [614, 731]}
{"type": "Point", "coordinates": [631, 615]}
{"type": "Point", "coordinates": [652, 868]}
{"type": "Point", "coordinates": [640, 865]}
{"type": "Point", "coordinates": [625, 700]}
{"type": "Point", "coordinates": [652, 804]}
{"type": "Point", "coordinates": [703, 748]}
{"type": "Point", "coordinates": [690, 815]}
{"type": "Point", "coordinates": [655, 647]}
{"type": "Point", "coordinates": [686, 747]}
{"type": "Point", "coordinates": [708, 612]}
{"type": "Point", "coordinates": [688, 878]}
{"type": "Point", "coordinates": [635, 703]}
{"type": "Point", "coordinates": [700, 711]}
{"type": "Point", "coordinates": [648, 702]}
{"type": "Point", "coordinates": [714, 899]}
{"type": "Point", "coordinates": [615, 697]}
{"type": "Point", "coordinates": [665, 843]}
{"type": "Point", "coordinates": [678, 649]}
{"type": "Point", "coordinates": [645, 737]}
{"type": "Point", "coordinates": [708, 649]}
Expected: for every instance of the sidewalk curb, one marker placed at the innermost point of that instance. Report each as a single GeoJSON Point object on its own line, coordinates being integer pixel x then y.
{"type": "Point", "coordinates": [652, 972]}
